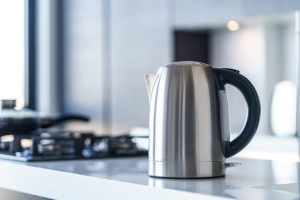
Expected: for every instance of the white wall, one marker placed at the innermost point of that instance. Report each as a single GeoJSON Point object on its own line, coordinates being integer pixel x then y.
{"type": "Point", "coordinates": [140, 44]}
{"type": "Point", "coordinates": [243, 50]}
{"type": "Point", "coordinates": [47, 57]}
{"type": "Point", "coordinates": [86, 76]}
{"type": "Point", "coordinates": [265, 54]}
{"type": "Point", "coordinates": [111, 44]}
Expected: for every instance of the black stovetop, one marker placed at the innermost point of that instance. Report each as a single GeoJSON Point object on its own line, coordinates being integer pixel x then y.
{"type": "Point", "coordinates": [45, 145]}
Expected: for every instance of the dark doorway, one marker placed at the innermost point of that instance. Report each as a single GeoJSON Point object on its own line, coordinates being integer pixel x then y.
{"type": "Point", "coordinates": [191, 45]}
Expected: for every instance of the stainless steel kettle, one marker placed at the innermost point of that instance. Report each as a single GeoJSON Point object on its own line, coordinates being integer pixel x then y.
{"type": "Point", "coordinates": [188, 122]}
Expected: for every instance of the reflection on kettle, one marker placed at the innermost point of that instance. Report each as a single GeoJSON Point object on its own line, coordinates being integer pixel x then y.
{"type": "Point", "coordinates": [188, 119]}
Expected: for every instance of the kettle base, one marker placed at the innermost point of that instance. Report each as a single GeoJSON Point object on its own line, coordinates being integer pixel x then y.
{"type": "Point", "coordinates": [181, 170]}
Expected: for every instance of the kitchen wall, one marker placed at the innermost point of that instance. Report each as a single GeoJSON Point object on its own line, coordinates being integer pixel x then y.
{"type": "Point", "coordinates": [86, 76]}
{"type": "Point", "coordinates": [107, 53]}
{"type": "Point", "coordinates": [47, 58]}
{"type": "Point", "coordinates": [110, 45]}
{"type": "Point", "coordinates": [243, 50]}
{"type": "Point", "coordinates": [140, 43]}
{"type": "Point", "coordinates": [265, 52]}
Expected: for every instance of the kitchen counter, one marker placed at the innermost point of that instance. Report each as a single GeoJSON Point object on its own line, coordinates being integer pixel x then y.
{"type": "Point", "coordinates": [127, 178]}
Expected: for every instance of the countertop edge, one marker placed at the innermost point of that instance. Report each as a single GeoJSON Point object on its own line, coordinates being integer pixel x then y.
{"type": "Point", "coordinates": [64, 185]}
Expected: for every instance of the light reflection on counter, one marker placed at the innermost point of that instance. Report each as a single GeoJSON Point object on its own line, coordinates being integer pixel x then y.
{"type": "Point", "coordinates": [254, 179]}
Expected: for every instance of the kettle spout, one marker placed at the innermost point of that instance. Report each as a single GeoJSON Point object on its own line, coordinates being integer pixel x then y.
{"type": "Point", "coordinates": [150, 78]}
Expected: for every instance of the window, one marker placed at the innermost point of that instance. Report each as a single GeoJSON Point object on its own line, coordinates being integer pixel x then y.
{"type": "Point", "coordinates": [12, 51]}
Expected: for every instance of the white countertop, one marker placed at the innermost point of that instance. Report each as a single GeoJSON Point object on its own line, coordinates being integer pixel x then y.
{"type": "Point", "coordinates": [127, 178]}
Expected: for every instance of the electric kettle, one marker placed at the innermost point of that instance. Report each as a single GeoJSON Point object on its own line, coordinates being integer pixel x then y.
{"type": "Point", "coordinates": [189, 133]}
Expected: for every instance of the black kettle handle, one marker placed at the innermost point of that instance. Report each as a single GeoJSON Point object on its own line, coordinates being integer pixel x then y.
{"type": "Point", "coordinates": [232, 77]}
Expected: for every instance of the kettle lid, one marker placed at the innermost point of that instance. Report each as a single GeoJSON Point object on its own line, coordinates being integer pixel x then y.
{"type": "Point", "coordinates": [187, 63]}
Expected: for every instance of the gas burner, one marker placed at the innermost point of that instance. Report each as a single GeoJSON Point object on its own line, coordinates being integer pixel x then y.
{"type": "Point", "coordinates": [48, 145]}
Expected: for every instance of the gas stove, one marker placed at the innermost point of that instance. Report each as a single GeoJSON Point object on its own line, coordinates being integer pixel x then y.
{"type": "Point", "coordinates": [46, 145]}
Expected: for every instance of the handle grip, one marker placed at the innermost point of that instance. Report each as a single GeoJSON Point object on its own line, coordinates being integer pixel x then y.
{"type": "Point", "coordinates": [48, 122]}
{"type": "Point", "coordinates": [232, 77]}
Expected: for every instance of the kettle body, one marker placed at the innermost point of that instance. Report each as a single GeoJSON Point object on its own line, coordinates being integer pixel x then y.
{"type": "Point", "coordinates": [188, 120]}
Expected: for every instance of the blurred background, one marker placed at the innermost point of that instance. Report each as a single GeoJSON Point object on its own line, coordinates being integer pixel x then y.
{"type": "Point", "coordinates": [90, 57]}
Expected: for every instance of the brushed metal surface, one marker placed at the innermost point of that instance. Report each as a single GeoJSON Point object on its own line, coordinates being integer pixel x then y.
{"type": "Point", "coordinates": [186, 139]}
